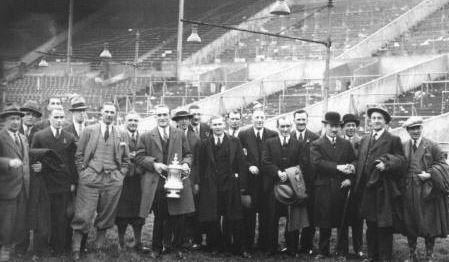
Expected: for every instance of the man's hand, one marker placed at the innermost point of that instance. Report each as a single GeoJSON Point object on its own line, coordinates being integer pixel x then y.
{"type": "Point", "coordinates": [380, 165]}
{"type": "Point", "coordinates": [37, 167]}
{"type": "Point", "coordinates": [186, 168]}
{"type": "Point", "coordinates": [345, 183]}
{"type": "Point", "coordinates": [159, 167]}
{"type": "Point", "coordinates": [424, 175]}
{"type": "Point", "coordinates": [15, 163]}
{"type": "Point", "coordinates": [282, 176]}
{"type": "Point", "coordinates": [351, 168]}
{"type": "Point", "coordinates": [254, 170]}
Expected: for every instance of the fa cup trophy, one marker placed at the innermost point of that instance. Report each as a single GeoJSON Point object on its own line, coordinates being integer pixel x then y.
{"type": "Point", "coordinates": [175, 176]}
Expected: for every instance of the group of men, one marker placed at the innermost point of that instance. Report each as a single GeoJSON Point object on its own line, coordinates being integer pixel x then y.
{"type": "Point", "coordinates": [59, 178]}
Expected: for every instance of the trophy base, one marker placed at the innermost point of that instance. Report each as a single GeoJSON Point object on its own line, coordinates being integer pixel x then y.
{"type": "Point", "coordinates": [173, 193]}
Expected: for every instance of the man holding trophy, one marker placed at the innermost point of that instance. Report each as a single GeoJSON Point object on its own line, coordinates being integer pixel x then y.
{"type": "Point", "coordinates": [165, 156]}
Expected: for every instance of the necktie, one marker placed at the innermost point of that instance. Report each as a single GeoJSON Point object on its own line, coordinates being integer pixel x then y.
{"type": "Point", "coordinates": [218, 141]}
{"type": "Point", "coordinates": [17, 141]}
{"type": "Point", "coordinates": [27, 132]}
{"type": "Point", "coordinates": [414, 146]}
{"type": "Point", "coordinates": [166, 135]}
{"type": "Point", "coordinates": [58, 133]}
{"type": "Point", "coordinates": [285, 142]}
{"type": "Point", "coordinates": [106, 133]}
{"type": "Point", "coordinates": [301, 138]}
{"type": "Point", "coordinates": [334, 142]}
{"type": "Point", "coordinates": [134, 137]}
{"type": "Point", "coordinates": [259, 138]}
{"type": "Point", "coordinates": [375, 136]}
{"type": "Point", "coordinates": [233, 132]}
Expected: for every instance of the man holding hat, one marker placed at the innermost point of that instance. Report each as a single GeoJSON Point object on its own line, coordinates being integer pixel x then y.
{"type": "Point", "coordinates": [14, 181]}
{"type": "Point", "coordinates": [79, 116]}
{"type": "Point", "coordinates": [378, 180]}
{"type": "Point", "coordinates": [32, 114]}
{"type": "Point", "coordinates": [332, 157]}
{"type": "Point", "coordinates": [426, 204]}
{"type": "Point", "coordinates": [350, 125]}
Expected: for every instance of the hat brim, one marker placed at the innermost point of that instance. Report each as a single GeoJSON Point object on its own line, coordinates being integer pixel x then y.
{"type": "Point", "coordinates": [6, 114]}
{"type": "Point", "coordinates": [357, 122]}
{"type": "Point", "coordinates": [379, 110]}
{"type": "Point", "coordinates": [176, 118]}
{"type": "Point", "coordinates": [81, 108]}
{"type": "Point", "coordinates": [331, 123]}
{"type": "Point", "coordinates": [32, 110]}
{"type": "Point", "coordinates": [413, 125]}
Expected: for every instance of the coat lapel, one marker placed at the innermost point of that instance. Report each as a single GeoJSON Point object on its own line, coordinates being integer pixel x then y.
{"type": "Point", "coordinates": [172, 141]}
{"type": "Point", "coordinates": [157, 138]}
{"type": "Point", "coordinates": [231, 150]}
{"type": "Point", "coordinates": [10, 142]}
{"type": "Point", "coordinates": [210, 150]}
{"type": "Point", "coordinates": [380, 141]}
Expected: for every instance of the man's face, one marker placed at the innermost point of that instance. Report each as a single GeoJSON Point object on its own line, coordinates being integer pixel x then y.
{"type": "Point", "coordinates": [301, 121]}
{"type": "Point", "coordinates": [29, 119]}
{"type": "Point", "coordinates": [196, 116]}
{"type": "Point", "coordinates": [162, 114]}
{"type": "Point", "coordinates": [377, 121]}
{"type": "Point", "coordinates": [12, 123]}
{"type": "Point", "coordinates": [108, 114]}
{"type": "Point", "coordinates": [284, 127]}
{"type": "Point", "coordinates": [183, 123]}
{"type": "Point", "coordinates": [234, 121]}
{"type": "Point", "coordinates": [53, 103]}
{"type": "Point", "coordinates": [332, 130]}
{"type": "Point", "coordinates": [258, 119]}
{"type": "Point", "coordinates": [217, 126]}
{"type": "Point", "coordinates": [79, 116]}
{"type": "Point", "coordinates": [415, 132]}
{"type": "Point", "coordinates": [132, 122]}
{"type": "Point", "coordinates": [349, 129]}
{"type": "Point", "coordinates": [57, 118]}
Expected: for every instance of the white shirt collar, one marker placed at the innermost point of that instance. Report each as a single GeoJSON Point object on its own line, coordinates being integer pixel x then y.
{"type": "Point", "coordinates": [131, 133]}
{"type": "Point", "coordinates": [161, 130]}
{"type": "Point", "coordinates": [256, 131]}
{"type": "Point", "coordinates": [53, 130]}
{"type": "Point", "coordinates": [303, 133]}
{"type": "Point", "coordinates": [232, 130]}
{"type": "Point", "coordinates": [331, 139]}
{"type": "Point", "coordinates": [77, 126]}
{"type": "Point", "coordinates": [282, 138]}
{"type": "Point", "coordinates": [216, 137]}
{"type": "Point", "coordinates": [379, 133]}
{"type": "Point", "coordinates": [103, 127]}
{"type": "Point", "coordinates": [12, 134]}
{"type": "Point", "coordinates": [418, 141]}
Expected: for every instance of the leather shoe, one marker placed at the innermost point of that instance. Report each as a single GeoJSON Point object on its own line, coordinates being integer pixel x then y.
{"type": "Point", "coordinates": [75, 255]}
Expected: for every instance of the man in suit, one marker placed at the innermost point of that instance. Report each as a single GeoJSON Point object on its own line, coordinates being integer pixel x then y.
{"type": "Point", "coordinates": [79, 116]}
{"type": "Point", "coordinates": [350, 125]}
{"type": "Point", "coordinates": [102, 161]}
{"type": "Point", "coordinates": [53, 102]}
{"type": "Point", "coordinates": [252, 140]}
{"type": "Point", "coordinates": [234, 123]}
{"type": "Point", "coordinates": [332, 157]}
{"type": "Point", "coordinates": [305, 138]}
{"type": "Point", "coordinates": [379, 183]}
{"type": "Point", "coordinates": [32, 115]}
{"type": "Point", "coordinates": [426, 204]}
{"type": "Point", "coordinates": [223, 184]}
{"type": "Point", "coordinates": [280, 153]}
{"type": "Point", "coordinates": [129, 204]}
{"type": "Point", "coordinates": [60, 183]}
{"type": "Point", "coordinates": [194, 236]}
{"type": "Point", "coordinates": [202, 129]}
{"type": "Point", "coordinates": [14, 181]}
{"type": "Point", "coordinates": [157, 150]}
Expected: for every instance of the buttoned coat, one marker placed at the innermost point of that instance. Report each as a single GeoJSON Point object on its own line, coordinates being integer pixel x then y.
{"type": "Point", "coordinates": [149, 151]}
{"type": "Point", "coordinates": [208, 186]}
{"type": "Point", "coordinates": [329, 196]}
{"type": "Point", "coordinates": [306, 164]}
{"type": "Point", "coordinates": [195, 144]}
{"type": "Point", "coordinates": [12, 180]}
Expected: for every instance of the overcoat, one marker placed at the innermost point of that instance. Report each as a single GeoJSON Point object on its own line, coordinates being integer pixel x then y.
{"type": "Point", "coordinates": [425, 204]}
{"type": "Point", "coordinates": [381, 193]}
{"type": "Point", "coordinates": [208, 187]}
{"type": "Point", "coordinates": [194, 143]}
{"type": "Point", "coordinates": [149, 151]}
{"type": "Point", "coordinates": [329, 196]}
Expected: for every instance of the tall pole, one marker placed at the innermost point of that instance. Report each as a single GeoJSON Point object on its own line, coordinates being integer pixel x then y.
{"type": "Point", "coordinates": [326, 80]}
{"type": "Point", "coordinates": [69, 37]}
{"type": "Point", "coordinates": [136, 60]}
{"type": "Point", "coordinates": [180, 34]}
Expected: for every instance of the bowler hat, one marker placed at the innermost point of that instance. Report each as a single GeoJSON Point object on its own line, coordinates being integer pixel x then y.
{"type": "Point", "coordinates": [31, 106]}
{"type": "Point", "coordinates": [11, 110]}
{"type": "Point", "coordinates": [332, 118]}
{"type": "Point", "coordinates": [413, 121]}
{"type": "Point", "coordinates": [350, 118]}
{"type": "Point", "coordinates": [181, 114]}
{"type": "Point", "coordinates": [77, 103]}
{"type": "Point", "coordinates": [380, 109]}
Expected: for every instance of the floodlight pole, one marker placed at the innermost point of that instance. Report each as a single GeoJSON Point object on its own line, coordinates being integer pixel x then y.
{"type": "Point", "coordinates": [179, 43]}
{"type": "Point", "coordinates": [69, 37]}
{"type": "Point", "coordinates": [326, 80]}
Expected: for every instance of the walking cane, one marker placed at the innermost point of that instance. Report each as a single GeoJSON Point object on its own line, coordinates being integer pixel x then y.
{"type": "Point", "coordinates": [343, 218]}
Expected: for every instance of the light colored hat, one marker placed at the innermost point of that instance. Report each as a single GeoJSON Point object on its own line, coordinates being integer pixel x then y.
{"type": "Point", "coordinates": [413, 121]}
{"type": "Point", "coordinates": [78, 104]}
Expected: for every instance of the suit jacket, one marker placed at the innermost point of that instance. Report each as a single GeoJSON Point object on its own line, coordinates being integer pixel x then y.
{"type": "Point", "coordinates": [208, 200]}
{"type": "Point", "coordinates": [355, 142]}
{"type": "Point", "coordinates": [380, 193]}
{"type": "Point", "coordinates": [271, 159]}
{"type": "Point", "coordinates": [195, 144]}
{"type": "Point", "coordinates": [306, 166]}
{"type": "Point", "coordinates": [65, 149]}
{"type": "Point", "coordinates": [30, 135]}
{"type": "Point", "coordinates": [149, 151]}
{"type": "Point", "coordinates": [205, 130]}
{"type": "Point", "coordinates": [87, 146]}
{"type": "Point", "coordinates": [13, 180]}
{"type": "Point", "coordinates": [329, 197]}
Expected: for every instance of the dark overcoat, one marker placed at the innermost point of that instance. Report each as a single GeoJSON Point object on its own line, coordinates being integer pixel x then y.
{"type": "Point", "coordinates": [381, 193]}
{"type": "Point", "coordinates": [149, 151]}
{"type": "Point", "coordinates": [194, 143]}
{"type": "Point", "coordinates": [208, 194]}
{"type": "Point", "coordinates": [329, 196]}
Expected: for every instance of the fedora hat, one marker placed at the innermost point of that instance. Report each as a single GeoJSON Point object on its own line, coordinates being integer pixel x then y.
{"type": "Point", "coordinates": [181, 114]}
{"type": "Point", "coordinates": [11, 110]}
{"type": "Point", "coordinates": [332, 118]}
{"type": "Point", "coordinates": [380, 109]}
{"type": "Point", "coordinates": [350, 118]}
{"type": "Point", "coordinates": [413, 121]}
{"type": "Point", "coordinates": [31, 106]}
{"type": "Point", "coordinates": [77, 103]}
